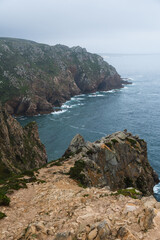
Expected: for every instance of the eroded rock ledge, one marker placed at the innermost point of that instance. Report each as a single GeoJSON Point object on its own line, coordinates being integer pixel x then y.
{"type": "Point", "coordinates": [118, 161]}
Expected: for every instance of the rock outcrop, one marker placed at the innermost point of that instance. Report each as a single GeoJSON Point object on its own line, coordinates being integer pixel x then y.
{"type": "Point", "coordinates": [118, 161]}
{"type": "Point", "coordinates": [20, 148]}
{"type": "Point", "coordinates": [35, 77]}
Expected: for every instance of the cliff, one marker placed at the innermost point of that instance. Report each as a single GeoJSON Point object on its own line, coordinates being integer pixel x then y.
{"type": "Point", "coordinates": [35, 77]}
{"type": "Point", "coordinates": [118, 161]}
{"type": "Point", "coordinates": [20, 148]}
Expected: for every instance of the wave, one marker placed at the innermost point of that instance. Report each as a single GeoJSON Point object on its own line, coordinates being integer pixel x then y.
{"type": "Point", "coordinates": [59, 112]}
{"type": "Point", "coordinates": [68, 106]}
{"type": "Point", "coordinates": [128, 78]}
{"type": "Point", "coordinates": [96, 95]}
{"type": "Point", "coordinates": [80, 104]}
{"type": "Point", "coordinates": [110, 91]}
{"type": "Point", "coordinates": [156, 188]}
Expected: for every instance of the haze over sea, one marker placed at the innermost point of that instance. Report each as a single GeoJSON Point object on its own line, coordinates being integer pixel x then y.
{"type": "Point", "coordinates": [136, 108]}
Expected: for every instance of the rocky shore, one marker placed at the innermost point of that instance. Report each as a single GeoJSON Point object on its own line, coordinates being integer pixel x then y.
{"type": "Point", "coordinates": [34, 77]}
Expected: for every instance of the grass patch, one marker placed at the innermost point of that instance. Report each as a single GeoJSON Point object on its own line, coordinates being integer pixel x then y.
{"type": "Point", "coordinates": [4, 200]}
{"type": "Point", "coordinates": [75, 172]}
{"type": "Point", "coordinates": [2, 215]}
{"type": "Point", "coordinates": [15, 183]}
{"type": "Point", "coordinates": [132, 141]}
{"type": "Point", "coordinates": [130, 192]}
{"type": "Point", "coordinates": [86, 195]}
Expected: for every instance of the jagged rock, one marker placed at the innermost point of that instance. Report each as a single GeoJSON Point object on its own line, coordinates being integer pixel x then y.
{"type": "Point", "coordinates": [76, 145]}
{"type": "Point", "coordinates": [20, 148]}
{"type": "Point", "coordinates": [118, 161]}
{"type": "Point", "coordinates": [38, 77]}
{"type": "Point", "coordinates": [125, 234]}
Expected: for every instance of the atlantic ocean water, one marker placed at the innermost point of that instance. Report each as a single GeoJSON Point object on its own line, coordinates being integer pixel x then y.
{"type": "Point", "coordinates": [135, 107]}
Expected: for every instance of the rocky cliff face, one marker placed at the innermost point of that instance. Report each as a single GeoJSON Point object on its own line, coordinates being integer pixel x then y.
{"type": "Point", "coordinates": [20, 148]}
{"type": "Point", "coordinates": [35, 77]}
{"type": "Point", "coordinates": [118, 161]}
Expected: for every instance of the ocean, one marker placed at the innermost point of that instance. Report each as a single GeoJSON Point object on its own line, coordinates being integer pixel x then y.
{"type": "Point", "coordinates": [135, 107]}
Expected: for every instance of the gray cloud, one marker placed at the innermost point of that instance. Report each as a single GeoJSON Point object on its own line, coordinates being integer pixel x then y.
{"type": "Point", "coordinates": [100, 26]}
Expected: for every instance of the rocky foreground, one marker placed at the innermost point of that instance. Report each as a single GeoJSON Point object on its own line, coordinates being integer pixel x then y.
{"type": "Point", "coordinates": [60, 209]}
{"type": "Point", "coordinates": [73, 199]}
{"type": "Point", "coordinates": [34, 77]}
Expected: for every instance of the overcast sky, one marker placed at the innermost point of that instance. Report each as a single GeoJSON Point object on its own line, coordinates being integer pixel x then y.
{"type": "Point", "coordinates": [101, 26]}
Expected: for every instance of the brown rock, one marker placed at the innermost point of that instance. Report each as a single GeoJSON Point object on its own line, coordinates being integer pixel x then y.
{"type": "Point", "coordinates": [92, 235]}
{"type": "Point", "coordinates": [21, 148]}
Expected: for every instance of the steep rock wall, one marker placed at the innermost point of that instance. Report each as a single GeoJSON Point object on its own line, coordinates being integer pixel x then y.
{"type": "Point", "coordinates": [20, 148]}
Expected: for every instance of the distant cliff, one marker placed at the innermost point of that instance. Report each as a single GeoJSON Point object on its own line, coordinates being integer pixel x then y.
{"type": "Point", "coordinates": [35, 77]}
{"type": "Point", "coordinates": [20, 148]}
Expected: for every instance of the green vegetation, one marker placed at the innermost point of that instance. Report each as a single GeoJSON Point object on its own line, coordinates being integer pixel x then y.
{"type": "Point", "coordinates": [86, 195]}
{"type": "Point", "coordinates": [15, 182]}
{"type": "Point", "coordinates": [68, 154]}
{"type": "Point", "coordinates": [4, 200]}
{"type": "Point", "coordinates": [109, 144]}
{"type": "Point", "coordinates": [132, 141]}
{"type": "Point", "coordinates": [131, 192]}
{"type": "Point", "coordinates": [58, 162]}
{"type": "Point", "coordinates": [103, 195]}
{"type": "Point", "coordinates": [114, 141]}
{"type": "Point", "coordinates": [2, 215]}
{"type": "Point", "coordinates": [75, 172]}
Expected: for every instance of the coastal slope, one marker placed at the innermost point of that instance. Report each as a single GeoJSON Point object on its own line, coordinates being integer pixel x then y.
{"type": "Point", "coordinates": [61, 209]}
{"type": "Point", "coordinates": [93, 192]}
{"type": "Point", "coordinates": [36, 77]}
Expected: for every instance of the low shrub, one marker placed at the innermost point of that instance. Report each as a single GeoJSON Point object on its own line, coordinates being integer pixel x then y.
{"type": "Point", "coordinates": [2, 215]}
{"type": "Point", "coordinates": [4, 200]}
{"type": "Point", "coordinates": [75, 172]}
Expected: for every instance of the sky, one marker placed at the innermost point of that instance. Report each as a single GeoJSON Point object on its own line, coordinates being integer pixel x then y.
{"type": "Point", "coordinates": [101, 26]}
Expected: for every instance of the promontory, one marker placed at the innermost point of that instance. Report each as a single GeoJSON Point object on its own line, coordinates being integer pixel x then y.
{"type": "Point", "coordinates": [35, 77]}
